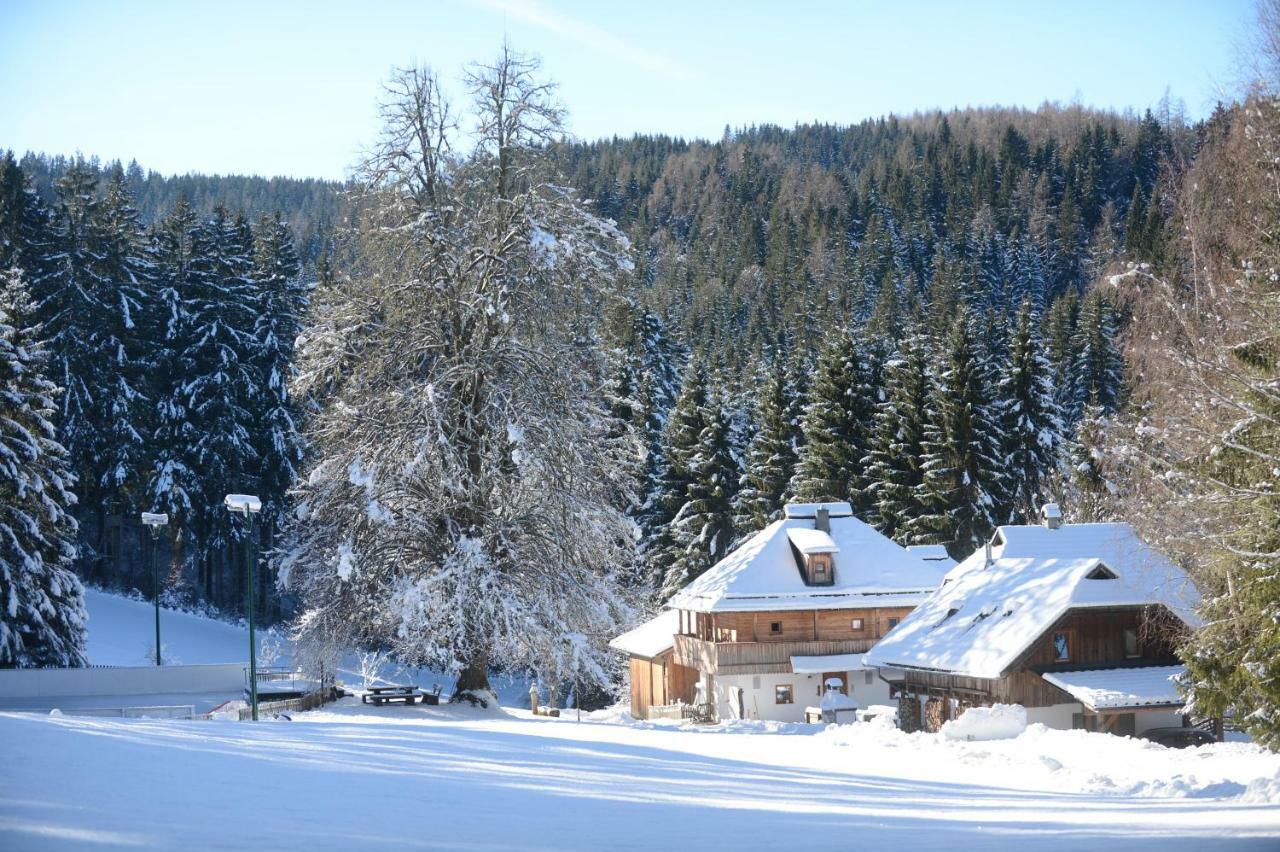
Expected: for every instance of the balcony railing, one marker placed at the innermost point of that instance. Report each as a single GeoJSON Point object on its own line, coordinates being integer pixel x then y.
{"type": "Point", "coordinates": [757, 657]}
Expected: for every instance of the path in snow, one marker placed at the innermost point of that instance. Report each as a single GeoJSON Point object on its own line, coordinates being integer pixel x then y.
{"type": "Point", "coordinates": [352, 777]}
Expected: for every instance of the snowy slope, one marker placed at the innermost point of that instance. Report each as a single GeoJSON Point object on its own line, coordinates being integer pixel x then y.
{"type": "Point", "coordinates": [446, 778]}
{"type": "Point", "coordinates": [122, 633]}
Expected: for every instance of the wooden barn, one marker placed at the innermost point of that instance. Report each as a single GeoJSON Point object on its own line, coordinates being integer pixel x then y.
{"type": "Point", "coordinates": [1076, 622]}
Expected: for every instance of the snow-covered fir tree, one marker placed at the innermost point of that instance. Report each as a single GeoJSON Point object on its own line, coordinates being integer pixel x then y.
{"type": "Point", "coordinates": [42, 601]}
{"type": "Point", "coordinates": [896, 455]}
{"type": "Point", "coordinates": [90, 304]}
{"type": "Point", "coordinates": [837, 421]}
{"type": "Point", "coordinates": [281, 304]}
{"type": "Point", "coordinates": [964, 472]}
{"type": "Point", "coordinates": [1031, 422]}
{"type": "Point", "coordinates": [771, 452]}
{"type": "Point", "coordinates": [25, 241]}
{"type": "Point", "coordinates": [703, 528]}
{"type": "Point", "coordinates": [1097, 374]}
{"type": "Point", "coordinates": [680, 438]}
{"type": "Point", "coordinates": [456, 506]}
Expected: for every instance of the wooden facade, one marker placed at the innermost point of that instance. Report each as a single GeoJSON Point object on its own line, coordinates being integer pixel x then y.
{"type": "Point", "coordinates": [1096, 639]}
{"type": "Point", "coordinates": [764, 642]}
{"type": "Point", "coordinates": [660, 680]}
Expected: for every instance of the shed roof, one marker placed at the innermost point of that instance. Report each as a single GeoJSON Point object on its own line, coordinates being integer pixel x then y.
{"type": "Point", "coordinates": [1122, 688]}
{"type": "Point", "coordinates": [986, 615]}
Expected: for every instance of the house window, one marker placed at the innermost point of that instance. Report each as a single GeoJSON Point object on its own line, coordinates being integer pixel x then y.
{"type": "Point", "coordinates": [1131, 643]}
{"type": "Point", "coordinates": [1062, 647]}
{"type": "Point", "coordinates": [775, 627]}
{"type": "Point", "coordinates": [871, 676]}
{"type": "Point", "coordinates": [782, 694]}
{"type": "Point", "coordinates": [856, 624]}
{"type": "Point", "coordinates": [893, 622]}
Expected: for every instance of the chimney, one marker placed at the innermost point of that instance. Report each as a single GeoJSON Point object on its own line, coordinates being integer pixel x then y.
{"type": "Point", "coordinates": [986, 562]}
{"type": "Point", "coordinates": [822, 520]}
{"type": "Point", "coordinates": [1051, 515]}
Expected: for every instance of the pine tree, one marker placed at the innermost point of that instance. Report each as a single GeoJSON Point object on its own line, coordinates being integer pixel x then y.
{"type": "Point", "coordinates": [91, 304]}
{"type": "Point", "coordinates": [1098, 371]}
{"type": "Point", "coordinates": [121, 468]}
{"type": "Point", "coordinates": [25, 241]}
{"type": "Point", "coordinates": [896, 456]}
{"type": "Point", "coordinates": [771, 453]}
{"type": "Point", "coordinates": [681, 437]}
{"type": "Point", "coordinates": [1030, 419]}
{"type": "Point", "coordinates": [836, 427]}
{"type": "Point", "coordinates": [963, 471]}
{"type": "Point", "coordinates": [281, 303]}
{"type": "Point", "coordinates": [703, 528]}
{"type": "Point", "coordinates": [43, 601]}
{"type": "Point", "coordinates": [219, 385]}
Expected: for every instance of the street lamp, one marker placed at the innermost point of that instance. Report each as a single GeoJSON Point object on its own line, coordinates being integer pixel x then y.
{"type": "Point", "coordinates": [249, 506]}
{"type": "Point", "coordinates": [155, 522]}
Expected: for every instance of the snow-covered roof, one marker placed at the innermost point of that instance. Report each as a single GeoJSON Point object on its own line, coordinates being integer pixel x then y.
{"type": "Point", "coordinates": [808, 540]}
{"type": "Point", "coordinates": [810, 510]}
{"type": "Point", "coordinates": [828, 663]}
{"type": "Point", "coordinates": [1121, 688]}
{"type": "Point", "coordinates": [651, 638]}
{"type": "Point", "coordinates": [763, 574]}
{"type": "Point", "coordinates": [931, 552]}
{"type": "Point", "coordinates": [985, 616]}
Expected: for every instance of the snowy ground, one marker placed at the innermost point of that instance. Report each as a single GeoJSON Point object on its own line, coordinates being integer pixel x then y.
{"type": "Point", "coordinates": [352, 777]}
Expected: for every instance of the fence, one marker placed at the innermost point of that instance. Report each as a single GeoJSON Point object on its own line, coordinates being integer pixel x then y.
{"type": "Point", "coordinates": [121, 680]}
{"type": "Point", "coordinates": [168, 711]}
{"type": "Point", "coordinates": [310, 701]}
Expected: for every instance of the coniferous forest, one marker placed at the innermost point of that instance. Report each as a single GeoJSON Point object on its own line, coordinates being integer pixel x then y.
{"type": "Point", "coordinates": [946, 319]}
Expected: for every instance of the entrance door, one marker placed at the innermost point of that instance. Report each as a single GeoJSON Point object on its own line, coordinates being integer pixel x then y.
{"type": "Point", "coordinates": [843, 677]}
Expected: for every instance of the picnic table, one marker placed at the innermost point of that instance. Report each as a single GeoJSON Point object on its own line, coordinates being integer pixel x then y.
{"type": "Point", "coordinates": [406, 693]}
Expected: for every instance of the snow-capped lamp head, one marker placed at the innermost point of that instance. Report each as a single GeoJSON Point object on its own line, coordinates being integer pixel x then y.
{"type": "Point", "coordinates": [1051, 515]}
{"type": "Point", "coordinates": [154, 521]}
{"type": "Point", "coordinates": [243, 504]}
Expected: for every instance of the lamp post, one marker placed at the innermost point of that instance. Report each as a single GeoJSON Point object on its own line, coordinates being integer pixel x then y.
{"type": "Point", "coordinates": [249, 506]}
{"type": "Point", "coordinates": [154, 522]}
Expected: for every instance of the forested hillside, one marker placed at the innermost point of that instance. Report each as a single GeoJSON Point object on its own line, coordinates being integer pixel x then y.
{"type": "Point", "coordinates": [895, 313]}
{"type": "Point", "coordinates": [313, 207]}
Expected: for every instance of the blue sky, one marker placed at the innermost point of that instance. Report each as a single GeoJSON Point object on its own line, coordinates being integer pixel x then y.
{"type": "Point", "coordinates": [291, 87]}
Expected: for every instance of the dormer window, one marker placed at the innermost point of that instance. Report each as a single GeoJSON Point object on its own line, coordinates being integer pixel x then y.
{"type": "Point", "coordinates": [815, 552]}
{"type": "Point", "coordinates": [1101, 572]}
{"type": "Point", "coordinates": [821, 571]}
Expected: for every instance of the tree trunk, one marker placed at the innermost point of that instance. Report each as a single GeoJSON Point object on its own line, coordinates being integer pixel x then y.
{"type": "Point", "coordinates": [473, 682]}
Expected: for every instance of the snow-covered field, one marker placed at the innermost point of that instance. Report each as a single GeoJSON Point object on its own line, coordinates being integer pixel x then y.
{"type": "Point", "coordinates": [353, 777]}
{"type": "Point", "coordinates": [356, 777]}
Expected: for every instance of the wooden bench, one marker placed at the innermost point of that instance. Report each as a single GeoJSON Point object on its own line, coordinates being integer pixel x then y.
{"type": "Point", "coordinates": [408, 694]}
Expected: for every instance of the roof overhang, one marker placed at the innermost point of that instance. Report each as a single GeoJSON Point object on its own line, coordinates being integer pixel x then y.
{"type": "Point", "coordinates": [1121, 688]}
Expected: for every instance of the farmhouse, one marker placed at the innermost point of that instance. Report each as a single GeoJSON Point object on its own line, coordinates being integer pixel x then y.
{"type": "Point", "coordinates": [1076, 622]}
{"type": "Point", "coordinates": [795, 605]}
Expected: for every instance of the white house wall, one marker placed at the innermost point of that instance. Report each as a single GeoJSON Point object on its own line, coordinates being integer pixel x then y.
{"type": "Point", "coordinates": [758, 693]}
